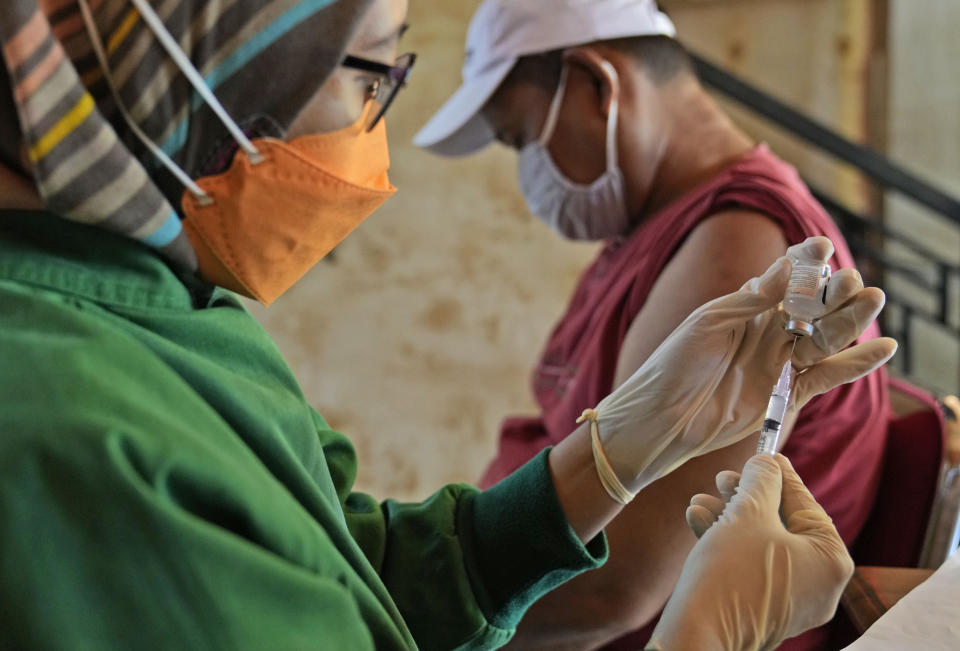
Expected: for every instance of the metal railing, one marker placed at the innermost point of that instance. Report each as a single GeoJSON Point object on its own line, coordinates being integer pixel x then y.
{"type": "Point", "coordinates": [921, 285]}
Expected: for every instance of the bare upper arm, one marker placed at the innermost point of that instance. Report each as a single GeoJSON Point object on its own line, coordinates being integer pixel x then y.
{"type": "Point", "coordinates": [718, 256]}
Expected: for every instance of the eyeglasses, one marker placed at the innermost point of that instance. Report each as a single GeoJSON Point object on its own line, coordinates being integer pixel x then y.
{"type": "Point", "coordinates": [391, 80]}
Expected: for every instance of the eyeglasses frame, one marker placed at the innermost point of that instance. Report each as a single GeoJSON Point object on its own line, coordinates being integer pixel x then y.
{"type": "Point", "coordinates": [398, 74]}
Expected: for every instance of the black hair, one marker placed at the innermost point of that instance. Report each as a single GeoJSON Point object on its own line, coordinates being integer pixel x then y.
{"type": "Point", "coordinates": [661, 57]}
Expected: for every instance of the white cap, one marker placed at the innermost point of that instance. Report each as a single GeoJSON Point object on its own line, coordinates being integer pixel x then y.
{"type": "Point", "coordinates": [502, 31]}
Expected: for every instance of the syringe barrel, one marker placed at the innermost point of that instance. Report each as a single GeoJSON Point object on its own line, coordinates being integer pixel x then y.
{"type": "Point", "coordinates": [776, 408]}
{"type": "Point", "coordinates": [772, 423]}
{"type": "Point", "coordinates": [769, 437]}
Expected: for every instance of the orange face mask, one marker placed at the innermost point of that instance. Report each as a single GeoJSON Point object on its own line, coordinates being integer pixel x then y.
{"type": "Point", "coordinates": [264, 225]}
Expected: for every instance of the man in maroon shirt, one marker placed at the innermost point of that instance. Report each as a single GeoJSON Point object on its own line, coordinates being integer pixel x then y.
{"type": "Point", "coordinates": [619, 142]}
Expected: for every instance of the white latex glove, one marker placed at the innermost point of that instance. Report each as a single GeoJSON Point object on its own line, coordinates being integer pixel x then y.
{"type": "Point", "coordinates": [707, 385]}
{"type": "Point", "coordinates": [769, 565]}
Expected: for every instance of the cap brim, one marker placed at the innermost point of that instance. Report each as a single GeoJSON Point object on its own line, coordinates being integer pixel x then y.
{"type": "Point", "coordinates": [458, 129]}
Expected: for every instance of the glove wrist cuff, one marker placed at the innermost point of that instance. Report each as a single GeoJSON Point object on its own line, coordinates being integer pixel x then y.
{"type": "Point", "coordinates": [608, 478]}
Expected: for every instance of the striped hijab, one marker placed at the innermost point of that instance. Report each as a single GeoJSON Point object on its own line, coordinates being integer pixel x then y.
{"type": "Point", "coordinates": [263, 58]}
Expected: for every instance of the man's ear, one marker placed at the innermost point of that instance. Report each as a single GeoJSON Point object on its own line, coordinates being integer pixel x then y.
{"type": "Point", "coordinates": [605, 75]}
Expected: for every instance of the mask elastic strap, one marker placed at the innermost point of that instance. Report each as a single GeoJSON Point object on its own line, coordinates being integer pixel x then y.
{"type": "Point", "coordinates": [554, 111]}
{"type": "Point", "coordinates": [168, 162]}
{"type": "Point", "coordinates": [612, 116]}
{"type": "Point", "coordinates": [187, 68]}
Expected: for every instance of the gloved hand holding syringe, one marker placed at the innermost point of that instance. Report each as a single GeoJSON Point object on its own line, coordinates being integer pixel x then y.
{"type": "Point", "coordinates": [804, 303]}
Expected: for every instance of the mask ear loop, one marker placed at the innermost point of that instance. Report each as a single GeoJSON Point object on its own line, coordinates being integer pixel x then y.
{"type": "Point", "coordinates": [612, 115]}
{"type": "Point", "coordinates": [186, 66]}
{"type": "Point", "coordinates": [168, 162]}
{"type": "Point", "coordinates": [554, 111]}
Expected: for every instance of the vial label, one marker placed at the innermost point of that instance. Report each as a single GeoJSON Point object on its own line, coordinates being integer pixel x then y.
{"type": "Point", "coordinates": [804, 281]}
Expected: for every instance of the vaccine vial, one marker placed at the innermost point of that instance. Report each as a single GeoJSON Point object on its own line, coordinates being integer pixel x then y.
{"type": "Point", "coordinates": [804, 301]}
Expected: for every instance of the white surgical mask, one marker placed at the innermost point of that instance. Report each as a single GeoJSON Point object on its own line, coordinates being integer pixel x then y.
{"type": "Point", "coordinates": [577, 211]}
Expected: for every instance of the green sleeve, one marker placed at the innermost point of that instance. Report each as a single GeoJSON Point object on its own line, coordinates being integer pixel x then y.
{"type": "Point", "coordinates": [464, 565]}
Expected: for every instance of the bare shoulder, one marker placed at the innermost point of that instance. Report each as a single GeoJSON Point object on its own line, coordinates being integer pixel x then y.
{"type": "Point", "coordinates": [734, 240]}
{"type": "Point", "coordinates": [720, 254]}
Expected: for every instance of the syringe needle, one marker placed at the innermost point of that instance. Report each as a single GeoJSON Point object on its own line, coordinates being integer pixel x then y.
{"type": "Point", "coordinates": [794, 347]}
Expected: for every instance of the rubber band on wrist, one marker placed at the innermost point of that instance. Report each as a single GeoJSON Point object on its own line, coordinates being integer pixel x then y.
{"type": "Point", "coordinates": [608, 478]}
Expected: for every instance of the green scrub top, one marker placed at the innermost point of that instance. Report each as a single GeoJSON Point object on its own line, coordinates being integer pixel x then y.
{"type": "Point", "coordinates": [164, 483]}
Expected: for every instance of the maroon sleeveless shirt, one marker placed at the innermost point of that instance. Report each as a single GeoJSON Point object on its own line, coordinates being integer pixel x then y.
{"type": "Point", "coordinates": [837, 442]}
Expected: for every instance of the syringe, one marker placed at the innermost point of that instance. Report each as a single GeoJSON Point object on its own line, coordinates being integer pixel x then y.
{"type": "Point", "coordinates": [776, 410]}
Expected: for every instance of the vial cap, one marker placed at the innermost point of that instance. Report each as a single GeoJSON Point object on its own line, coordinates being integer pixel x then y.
{"type": "Point", "coordinates": [798, 327]}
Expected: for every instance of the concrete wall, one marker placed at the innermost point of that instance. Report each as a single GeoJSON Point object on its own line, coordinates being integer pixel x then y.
{"type": "Point", "coordinates": [419, 337]}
